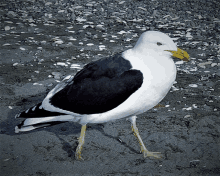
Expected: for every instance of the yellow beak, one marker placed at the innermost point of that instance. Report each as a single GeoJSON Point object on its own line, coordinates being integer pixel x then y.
{"type": "Point", "coordinates": [181, 54]}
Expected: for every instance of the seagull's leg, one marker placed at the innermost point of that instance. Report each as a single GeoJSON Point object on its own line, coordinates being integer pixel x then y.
{"type": "Point", "coordinates": [143, 148]}
{"type": "Point", "coordinates": [81, 142]}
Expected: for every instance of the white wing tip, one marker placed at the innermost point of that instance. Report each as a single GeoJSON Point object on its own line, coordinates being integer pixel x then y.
{"type": "Point", "coordinates": [17, 115]}
{"type": "Point", "coordinates": [28, 128]}
{"type": "Point", "coordinates": [17, 130]}
{"type": "Point", "coordinates": [69, 78]}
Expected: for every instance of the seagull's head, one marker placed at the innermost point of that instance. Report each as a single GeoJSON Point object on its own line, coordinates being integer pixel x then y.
{"type": "Point", "coordinates": [160, 43]}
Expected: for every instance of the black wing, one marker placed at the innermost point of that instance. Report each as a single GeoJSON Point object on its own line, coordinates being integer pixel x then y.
{"type": "Point", "coordinates": [99, 87]}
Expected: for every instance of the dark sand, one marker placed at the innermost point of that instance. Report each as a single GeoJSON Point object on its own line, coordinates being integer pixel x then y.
{"type": "Point", "coordinates": [37, 39]}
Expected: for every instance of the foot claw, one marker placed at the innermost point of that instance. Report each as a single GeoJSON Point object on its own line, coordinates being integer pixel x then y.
{"type": "Point", "coordinates": [156, 155]}
{"type": "Point", "coordinates": [78, 157]}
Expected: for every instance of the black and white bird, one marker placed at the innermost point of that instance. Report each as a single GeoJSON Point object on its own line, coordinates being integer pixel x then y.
{"type": "Point", "coordinates": [120, 86]}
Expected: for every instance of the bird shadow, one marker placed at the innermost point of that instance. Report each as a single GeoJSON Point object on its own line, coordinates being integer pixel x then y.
{"type": "Point", "coordinates": [100, 127]}
{"type": "Point", "coordinates": [71, 148]}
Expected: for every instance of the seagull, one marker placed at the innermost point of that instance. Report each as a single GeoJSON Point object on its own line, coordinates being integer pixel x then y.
{"type": "Point", "coordinates": [120, 86]}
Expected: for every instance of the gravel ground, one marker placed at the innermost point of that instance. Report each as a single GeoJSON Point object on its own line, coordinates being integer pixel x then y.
{"type": "Point", "coordinates": [42, 41]}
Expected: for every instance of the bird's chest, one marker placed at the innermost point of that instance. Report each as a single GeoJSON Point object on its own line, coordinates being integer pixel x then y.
{"type": "Point", "coordinates": [157, 82]}
{"type": "Point", "coordinates": [162, 80]}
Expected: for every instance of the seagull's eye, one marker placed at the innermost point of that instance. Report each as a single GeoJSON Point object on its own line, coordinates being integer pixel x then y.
{"type": "Point", "coordinates": [158, 43]}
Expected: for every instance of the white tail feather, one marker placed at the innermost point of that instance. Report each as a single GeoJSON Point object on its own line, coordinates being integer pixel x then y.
{"type": "Point", "coordinates": [32, 121]}
{"type": "Point", "coordinates": [28, 128]}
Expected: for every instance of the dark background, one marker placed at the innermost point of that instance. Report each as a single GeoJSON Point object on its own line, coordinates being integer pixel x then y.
{"type": "Point", "coordinates": [41, 40]}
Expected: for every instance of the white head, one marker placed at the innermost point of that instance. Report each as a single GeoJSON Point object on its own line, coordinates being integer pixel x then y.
{"type": "Point", "coordinates": [158, 43]}
{"type": "Point", "coordinates": [155, 41]}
